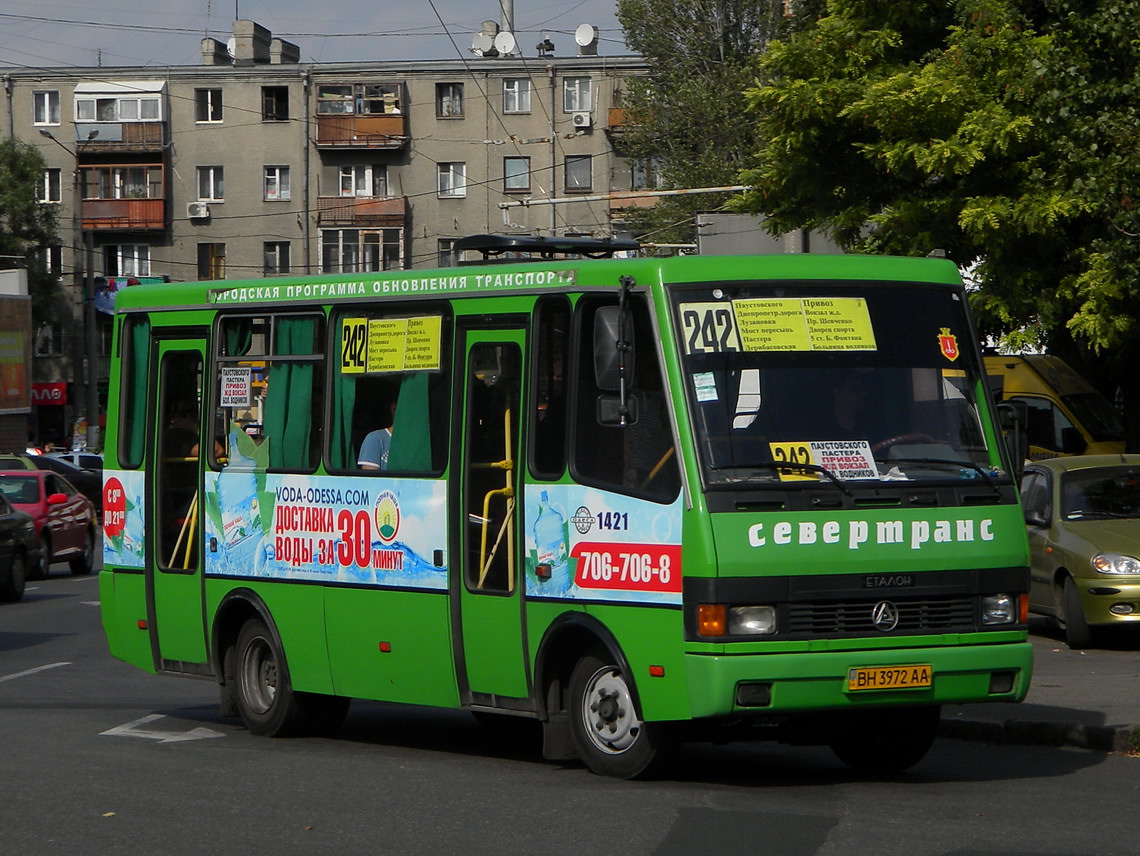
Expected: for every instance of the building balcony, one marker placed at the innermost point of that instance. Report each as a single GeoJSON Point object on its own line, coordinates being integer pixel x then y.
{"type": "Point", "coordinates": [356, 211]}
{"type": "Point", "coordinates": [362, 131]}
{"type": "Point", "coordinates": [104, 137]}
{"type": "Point", "coordinates": [123, 214]}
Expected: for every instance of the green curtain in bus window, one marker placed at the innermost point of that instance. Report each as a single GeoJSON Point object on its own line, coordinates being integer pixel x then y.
{"type": "Point", "coordinates": [289, 404]}
{"type": "Point", "coordinates": [238, 336]}
{"type": "Point", "coordinates": [341, 452]}
{"type": "Point", "coordinates": [411, 428]}
{"type": "Point", "coordinates": [133, 417]}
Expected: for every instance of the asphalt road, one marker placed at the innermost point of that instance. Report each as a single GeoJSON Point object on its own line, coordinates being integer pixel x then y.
{"type": "Point", "coordinates": [100, 758]}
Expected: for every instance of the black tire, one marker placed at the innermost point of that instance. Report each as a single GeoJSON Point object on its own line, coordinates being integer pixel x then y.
{"type": "Point", "coordinates": [887, 740]}
{"type": "Point", "coordinates": [39, 570]}
{"type": "Point", "coordinates": [1078, 634]}
{"type": "Point", "coordinates": [609, 737]}
{"type": "Point", "coordinates": [12, 589]}
{"type": "Point", "coordinates": [264, 696]}
{"type": "Point", "coordinates": [85, 561]}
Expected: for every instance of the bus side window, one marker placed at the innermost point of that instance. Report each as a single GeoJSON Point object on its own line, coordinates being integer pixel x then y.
{"type": "Point", "coordinates": [637, 458]}
{"type": "Point", "coordinates": [548, 439]}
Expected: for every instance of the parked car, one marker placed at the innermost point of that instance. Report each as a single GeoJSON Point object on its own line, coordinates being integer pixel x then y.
{"type": "Point", "coordinates": [88, 483]}
{"type": "Point", "coordinates": [64, 518]}
{"type": "Point", "coordinates": [19, 550]}
{"type": "Point", "coordinates": [1083, 518]}
{"type": "Point", "coordinates": [92, 461]}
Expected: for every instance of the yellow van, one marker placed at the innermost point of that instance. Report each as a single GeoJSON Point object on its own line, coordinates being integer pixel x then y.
{"type": "Point", "coordinates": [1066, 415]}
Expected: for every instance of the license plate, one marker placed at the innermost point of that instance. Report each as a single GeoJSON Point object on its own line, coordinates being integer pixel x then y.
{"type": "Point", "coordinates": [889, 678]}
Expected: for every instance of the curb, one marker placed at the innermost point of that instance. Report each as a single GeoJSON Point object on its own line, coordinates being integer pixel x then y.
{"type": "Point", "coordinates": [1099, 738]}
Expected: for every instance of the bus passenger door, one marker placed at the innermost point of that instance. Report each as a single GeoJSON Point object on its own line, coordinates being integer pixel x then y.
{"type": "Point", "coordinates": [173, 548]}
{"type": "Point", "coordinates": [491, 658]}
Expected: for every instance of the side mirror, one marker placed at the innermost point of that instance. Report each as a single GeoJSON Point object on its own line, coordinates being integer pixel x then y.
{"type": "Point", "coordinates": [609, 410]}
{"type": "Point", "coordinates": [1012, 419]}
{"type": "Point", "coordinates": [613, 345]}
{"type": "Point", "coordinates": [56, 498]}
{"type": "Point", "coordinates": [1035, 517]}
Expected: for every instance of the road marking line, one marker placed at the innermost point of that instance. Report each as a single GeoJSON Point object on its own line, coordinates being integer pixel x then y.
{"type": "Point", "coordinates": [133, 729]}
{"type": "Point", "coordinates": [32, 671]}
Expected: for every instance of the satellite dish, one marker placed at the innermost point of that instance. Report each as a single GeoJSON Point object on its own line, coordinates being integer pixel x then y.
{"type": "Point", "coordinates": [231, 47]}
{"type": "Point", "coordinates": [482, 44]}
{"type": "Point", "coordinates": [586, 35]}
{"type": "Point", "coordinates": [505, 43]}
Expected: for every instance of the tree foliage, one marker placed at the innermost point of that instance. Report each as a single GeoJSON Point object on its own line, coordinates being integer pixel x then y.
{"type": "Point", "coordinates": [26, 225]}
{"type": "Point", "coordinates": [1004, 132]}
{"type": "Point", "coordinates": [688, 114]}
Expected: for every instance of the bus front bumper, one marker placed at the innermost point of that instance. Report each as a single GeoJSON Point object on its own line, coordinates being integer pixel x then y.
{"type": "Point", "coordinates": [735, 684]}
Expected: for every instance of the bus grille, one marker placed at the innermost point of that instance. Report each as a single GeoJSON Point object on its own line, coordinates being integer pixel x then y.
{"type": "Point", "coordinates": [853, 618]}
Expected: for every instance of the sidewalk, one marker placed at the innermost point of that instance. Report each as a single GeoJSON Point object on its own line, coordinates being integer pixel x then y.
{"type": "Point", "coordinates": [1087, 699]}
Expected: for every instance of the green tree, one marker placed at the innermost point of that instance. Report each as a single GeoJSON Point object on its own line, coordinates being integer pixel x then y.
{"type": "Point", "coordinates": [1003, 132]}
{"type": "Point", "coordinates": [27, 226]}
{"type": "Point", "coordinates": [686, 119]}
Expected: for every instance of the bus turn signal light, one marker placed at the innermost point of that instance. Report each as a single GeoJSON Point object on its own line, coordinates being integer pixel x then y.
{"type": "Point", "coordinates": [711, 619]}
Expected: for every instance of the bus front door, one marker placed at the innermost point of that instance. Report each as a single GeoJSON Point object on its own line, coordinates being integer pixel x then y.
{"type": "Point", "coordinates": [491, 659]}
{"type": "Point", "coordinates": [173, 549]}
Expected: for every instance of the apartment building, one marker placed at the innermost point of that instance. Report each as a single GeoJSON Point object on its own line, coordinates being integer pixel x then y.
{"type": "Point", "coordinates": [254, 164]}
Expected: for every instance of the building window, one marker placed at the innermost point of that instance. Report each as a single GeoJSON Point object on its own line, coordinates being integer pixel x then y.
{"type": "Point", "coordinates": [449, 100]}
{"type": "Point", "coordinates": [49, 339]}
{"type": "Point", "coordinates": [51, 257]}
{"type": "Point", "coordinates": [516, 95]}
{"type": "Point", "coordinates": [126, 260]}
{"type": "Point", "coordinates": [359, 250]}
{"type": "Point", "coordinates": [121, 182]}
{"type": "Point", "coordinates": [111, 109]}
{"type": "Point", "coordinates": [276, 258]}
{"type": "Point", "coordinates": [211, 261]}
{"type": "Point", "coordinates": [576, 95]}
{"type": "Point", "coordinates": [49, 186]}
{"type": "Point", "coordinates": [274, 103]}
{"type": "Point", "coordinates": [645, 174]}
{"type": "Point", "coordinates": [207, 105]}
{"type": "Point", "coordinates": [46, 107]}
{"type": "Point", "coordinates": [211, 184]}
{"type": "Point", "coordinates": [364, 98]}
{"type": "Point", "coordinates": [445, 252]}
{"type": "Point", "coordinates": [364, 180]}
{"type": "Point", "coordinates": [516, 174]}
{"type": "Point", "coordinates": [276, 183]}
{"type": "Point", "coordinates": [579, 173]}
{"type": "Point", "coordinates": [452, 179]}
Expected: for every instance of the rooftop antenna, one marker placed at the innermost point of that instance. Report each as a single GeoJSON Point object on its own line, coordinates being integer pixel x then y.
{"type": "Point", "coordinates": [587, 38]}
{"type": "Point", "coordinates": [483, 42]}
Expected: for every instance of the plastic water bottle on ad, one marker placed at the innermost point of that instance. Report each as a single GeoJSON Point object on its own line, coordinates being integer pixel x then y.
{"type": "Point", "coordinates": [550, 541]}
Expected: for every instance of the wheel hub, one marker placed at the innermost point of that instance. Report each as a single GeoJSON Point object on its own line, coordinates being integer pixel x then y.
{"type": "Point", "coordinates": [610, 721]}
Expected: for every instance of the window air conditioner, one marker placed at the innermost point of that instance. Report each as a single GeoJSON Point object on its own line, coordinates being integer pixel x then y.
{"type": "Point", "coordinates": [582, 119]}
{"type": "Point", "coordinates": [197, 210]}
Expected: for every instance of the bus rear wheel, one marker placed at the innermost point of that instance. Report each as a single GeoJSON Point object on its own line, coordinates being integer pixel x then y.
{"type": "Point", "coordinates": [608, 735]}
{"type": "Point", "coordinates": [885, 740]}
{"type": "Point", "coordinates": [265, 699]}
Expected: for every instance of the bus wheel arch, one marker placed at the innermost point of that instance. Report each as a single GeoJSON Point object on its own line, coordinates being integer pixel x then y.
{"type": "Point", "coordinates": [582, 675]}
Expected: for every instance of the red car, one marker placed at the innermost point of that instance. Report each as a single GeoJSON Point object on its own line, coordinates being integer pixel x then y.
{"type": "Point", "coordinates": [64, 518]}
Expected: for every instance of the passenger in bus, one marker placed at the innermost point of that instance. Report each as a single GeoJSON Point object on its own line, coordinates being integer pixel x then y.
{"type": "Point", "coordinates": [848, 409]}
{"type": "Point", "coordinates": [374, 450]}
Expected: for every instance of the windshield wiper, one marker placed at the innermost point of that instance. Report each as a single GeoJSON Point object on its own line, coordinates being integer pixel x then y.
{"type": "Point", "coordinates": [949, 462]}
{"type": "Point", "coordinates": [810, 468]}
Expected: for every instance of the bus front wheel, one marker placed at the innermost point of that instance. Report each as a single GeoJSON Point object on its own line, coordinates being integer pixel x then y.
{"type": "Point", "coordinates": [609, 737]}
{"type": "Point", "coordinates": [265, 699]}
{"type": "Point", "coordinates": [887, 740]}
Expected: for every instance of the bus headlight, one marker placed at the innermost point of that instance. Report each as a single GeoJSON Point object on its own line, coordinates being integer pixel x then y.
{"type": "Point", "coordinates": [999, 609]}
{"type": "Point", "coordinates": [1116, 563]}
{"type": "Point", "coordinates": [751, 620]}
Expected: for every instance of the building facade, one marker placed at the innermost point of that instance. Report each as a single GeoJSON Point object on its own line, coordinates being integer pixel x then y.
{"type": "Point", "coordinates": [253, 164]}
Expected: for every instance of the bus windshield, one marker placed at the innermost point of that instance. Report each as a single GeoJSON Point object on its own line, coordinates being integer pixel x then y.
{"type": "Point", "coordinates": [841, 382]}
